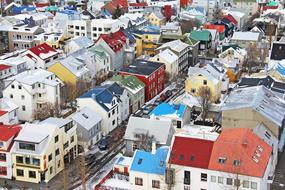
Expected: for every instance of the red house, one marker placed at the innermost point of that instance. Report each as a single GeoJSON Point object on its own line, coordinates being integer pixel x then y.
{"type": "Point", "coordinates": [150, 73]}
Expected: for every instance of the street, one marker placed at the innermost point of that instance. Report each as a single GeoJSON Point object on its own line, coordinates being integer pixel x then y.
{"type": "Point", "coordinates": [279, 177]}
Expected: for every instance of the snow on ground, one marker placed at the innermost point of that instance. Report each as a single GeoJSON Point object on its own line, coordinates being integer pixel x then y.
{"type": "Point", "coordinates": [117, 183]}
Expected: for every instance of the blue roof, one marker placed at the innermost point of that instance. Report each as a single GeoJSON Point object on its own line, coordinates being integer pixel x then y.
{"type": "Point", "coordinates": [281, 69]}
{"type": "Point", "coordinates": [147, 162]}
{"type": "Point", "coordinates": [19, 10]}
{"type": "Point", "coordinates": [164, 109]}
{"type": "Point", "coordinates": [68, 12]}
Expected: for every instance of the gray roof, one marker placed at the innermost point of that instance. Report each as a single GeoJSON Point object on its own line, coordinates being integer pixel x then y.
{"type": "Point", "coordinates": [260, 99]}
{"type": "Point", "coordinates": [83, 41]}
{"type": "Point", "coordinates": [86, 118]}
{"type": "Point", "coordinates": [160, 129]}
{"type": "Point", "coordinates": [56, 121]}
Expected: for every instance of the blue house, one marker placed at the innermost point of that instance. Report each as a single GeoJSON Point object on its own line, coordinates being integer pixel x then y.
{"type": "Point", "coordinates": [177, 113]}
{"type": "Point", "coordinates": [148, 169]}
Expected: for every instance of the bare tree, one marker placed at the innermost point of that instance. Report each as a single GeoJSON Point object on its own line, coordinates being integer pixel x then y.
{"type": "Point", "coordinates": [217, 12]}
{"type": "Point", "coordinates": [82, 170]}
{"type": "Point", "coordinates": [144, 141]}
{"type": "Point", "coordinates": [252, 56]}
{"type": "Point", "coordinates": [188, 25]}
{"type": "Point", "coordinates": [47, 110]}
{"type": "Point", "coordinates": [205, 99]}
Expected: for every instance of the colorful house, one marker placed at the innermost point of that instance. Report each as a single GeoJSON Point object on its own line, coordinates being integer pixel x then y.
{"type": "Point", "coordinates": [156, 19]}
{"type": "Point", "coordinates": [219, 28]}
{"type": "Point", "coordinates": [204, 37]}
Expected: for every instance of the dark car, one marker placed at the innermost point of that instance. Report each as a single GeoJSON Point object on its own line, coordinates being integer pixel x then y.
{"type": "Point", "coordinates": [104, 143]}
{"type": "Point", "coordinates": [168, 93]}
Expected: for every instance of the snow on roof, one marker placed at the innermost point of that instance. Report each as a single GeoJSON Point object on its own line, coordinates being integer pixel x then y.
{"type": "Point", "coordinates": [7, 105]}
{"type": "Point", "coordinates": [176, 45]}
{"type": "Point", "coordinates": [86, 118]}
{"type": "Point", "coordinates": [260, 99]}
{"type": "Point", "coordinates": [202, 71]}
{"type": "Point", "coordinates": [8, 131]}
{"type": "Point", "coordinates": [247, 36]}
{"type": "Point", "coordinates": [114, 183]}
{"type": "Point", "coordinates": [44, 51]}
{"type": "Point", "coordinates": [59, 122]}
{"type": "Point", "coordinates": [83, 41]}
{"type": "Point", "coordinates": [123, 161]}
{"type": "Point", "coordinates": [169, 110]}
{"type": "Point", "coordinates": [13, 61]}
{"type": "Point", "coordinates": [78, 68]}
{"type": "Point", "coordinates": [168, 55]}
{"type": "Point", "coordinates": [35, 76]}
{"type": "Point", "coordinates": [198, 131]}
{"type": "Point", "coordinates": [188, 100]}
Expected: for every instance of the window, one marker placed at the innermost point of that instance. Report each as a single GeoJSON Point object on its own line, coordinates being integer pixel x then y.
{"type": "Point", "coordinates": [155, 184]}
{"type": "Point", "coordinates": [11, 96]}
{"type": "Point", "coordinates": [113, 122]}
{"type": "Point", "coordinates": [237, 182]}
{"type": "Point", "coordinates": [138, 181]}
{"type": "Point", "coordinates": [135, 146]}
{"type": "Point", "coordinates": [20, 87]}
{"type": "Point", "coordinates": [253, 185]}
{"type": "Point", "coordinates": [27, 146]}
{"type": "Point", "coordinates": [187, 178]}
{"type": "Point", "coordinates": [56, 139]}
{"type": "Point", "coordinates": [213, 179]}
{"type": "Point", "coordinates": [3, 171]}
{"type": "Point", "coordinates": [203, 177]}
{"type": "Point", "coordinates": [193, 90]}
{"type": "Point", "coordinates": [36, 161]}
{"type": "Point", "coordinates": [109, 115]}
{"type": "Point", "coordinates": [65, 146]}
{"type": "Point", "coordinates": [50, 170]}
{"type": "Point", "coordinates": [50, 157]}
{"type": "Point", "coordinates": [20, 172]}
{"type": "Point", "coordinates": [72, 139]}
{"type": "Point", "coordinates": [236, 162]}
{"type": "Point", "coordinates": [205, 82]}
{"type": "Point", "coordinates": [113, 111]}
{"type": "Point", "coordinates": [56, 152]}
{"type": "Point", "coordinates": [100, 29]}
{"type": "Point", "coordinates": [245, 184]}
{"type": "Point", "coordinates": [2, 157]}
{"type": "Point", "coordinates": [32, 174]}
{"type": "Point", "coordinates": [12, 86]}
{"type": "Point", "coordinates": [229, 181]}
{"type": "Point", "coordinates": [22, 97]}
{"type": "Point", "coordinates": [27, 160]}
{"type": "Point", "coordinates": [222, 160]}
{"type": "Point", "coordinates": [24, 108]}
{"type": "Point", "coordinates": [187, 187]}
{"type": "Point", "coordinates": [267, 135]}
{"type": "Point", "coordinates": [19, 159]}
{"type": "Point", "coordinates": [220, 180]}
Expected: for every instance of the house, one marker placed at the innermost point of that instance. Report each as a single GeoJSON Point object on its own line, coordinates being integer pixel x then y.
{"type": "Point", "coordinates": [53, 39]}
{"type": "Point", "coordinates": [234, 52]}
{"type": "Point", "coordinates": [170, 60]}
{"type": "Point", "coordinates": [170, 32]}
{"type": "Point", "coordinates": [137, 7]}
{"type": "Point", "coordinates": [69, 136]}
{"type": "Point", "coordinates": [88, 126]}
{"type": "Point", "coordinates": [277, 87]}
{"type": "Point", "coordinates": [32, 90]}
{"type": "Point", "coordinates": [147, 170]}
{"type": "Point", "coordinates": [8, 112]}
{"type": "Point", "coordinates": [152, 74]}
{"type": "Point", "coordinates": [111, 6]}
{"type": "Point", "coordinates": [179, 114]}
{"type": "Point", "coordinates": [133, 21]}
{"type": "Point", "coordinates": [210, 75]}
{"type": "Point", "coordinates": [244, 38]}
{"type": "Point", "coordinates": [8, 133]}
{"type": "Point", "coordinates": [156, 18]}
{"type": "Point", "coordinates": [205, 164]}
{"type": "Point", "coordinates": [37, 153]}
{"type": "Point", "coordinates": [40, 56]}
{"type": "Point", "coordinates": [135, 89]}
{"type": "Point", "coordinates": [229, 26]}
{"type": "Point", "coordinates": [137, 128]}
{"type": "Point", "coordinates": [193, 49]}
{"type": "Point", "coordinates": [181, 50]}
{"type": "Point", "coordinates": [215, 38]}
{"type": "Point", "coordinates": [5, 71]}
{"type": "Point", "coordinates": [232, 67]}
{"type": "Point", "coordinates": [249, 107]}
{"type": "Point", "coordinates": [74, 73]}
{"type": "Point", "coordinates": [249, 8]}
{"type": "Point", "coordinates": [17, 65]}
{"type": "Point", "coordinates": [204, 37]}
{"type": "Point", "coordinates": [78, 43]}
{"type": "Point", "coordinates": [277, 51]}
{"type": "Point", "coordinates": [197, 12]}
{"type": "Point", "coordinates": [276, 69]}
{"type": "Point", "coordinates": [122, 165]}
{"type": "Point", "coordinates": [104, 103]}
{"type": "Point", "coordinates": [220, 29]}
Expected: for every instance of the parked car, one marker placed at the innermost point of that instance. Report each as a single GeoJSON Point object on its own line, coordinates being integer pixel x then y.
{"type": "Point", "coordinates": [104, 143]}
{"type": "Point", "coordinates": [168, 93]}
{"type": "Point", "coordinates": [157, 101]}
{"type": "Point", "coordinates": [163, 97]}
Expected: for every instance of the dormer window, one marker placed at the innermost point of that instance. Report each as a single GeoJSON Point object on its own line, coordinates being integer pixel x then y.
{"type": "Point", "coordinates": [236, 162]}
{"type": "Point", "coordinates": [27, 146]}
{"type": "Point", "coordinates": [222, 160]}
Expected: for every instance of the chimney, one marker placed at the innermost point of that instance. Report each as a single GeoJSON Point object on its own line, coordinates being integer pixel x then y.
{"type": "Point", "coordinates": [153, 147]}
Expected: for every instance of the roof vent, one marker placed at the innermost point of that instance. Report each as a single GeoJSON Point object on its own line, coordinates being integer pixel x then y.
{"type": "Point", "coordinates": [140, 161]}
{"type": "Point", "coordinates": [85, 116]}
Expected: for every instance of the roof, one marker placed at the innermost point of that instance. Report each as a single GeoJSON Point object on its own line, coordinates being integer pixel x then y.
{"type": "Point", "coordinates": [132, 83]}
{"type": "Point", "coordinates": [8, 131]}
{"type": "Point", "coordinates": [259, 99]}
{"type": "Point", "coordinates": [175, 45]}
{"type": "Point", "coordinates": [143, 4]}
{"type": "Point", "coordinates": [146, 162]}
{"type": "Point", "coordinates": [60, 122]}
{"type": "Point", "coordinates": [142, 67]}
{"type": "Point", "coordinates": [191, 152]}
{"type": "Point", "coordinates": [219, 28]}
{"type": "Point", "coordinates": [160, 129]}
{"type": "Point", "coordinates": [243, 145]}
{"type": "Point", "coordinates": [230, 18]}
{"type": "Point", "coordinates": [4, 67]}
{"type": "Point", "coordinates": [115, 41]}
{"type": "Point", "coordinates": [44, 51]}
{"type": "Point", "coordinates": [201, 35]}
{"type": "Point", "coordinates": [247, 36]}
{"type": "Point", "coordinates": [86, 118]}
{"type": "Point", "coordinates": [168, 55]}
{"type": "Point", "coordinates": [169, 110]}
{"type": "Point", "coordinates": [83, 42]}
{"type": "Point", "coordinates": [76, 67]}
{"type": "Point", "coordinates": [277, 51]}
{"type": "Point", "coordinates": [112, 5]}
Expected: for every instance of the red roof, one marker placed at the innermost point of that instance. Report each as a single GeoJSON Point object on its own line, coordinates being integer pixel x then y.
{"type": "Point", "coordinates": [8, 131]}
{"type": "Point", "coordinates": [115, 40]}
{"type": "Point", "coordinates": [230, 18]}
{"type": "Point", "coordinates": [42, 4]}
{"type": "Point", "coordinates": [4, 67]}
{"type": "Point", "coordinates": [3, 112]}
{"type": "Point", "coordinates": [219, 28]}
{"type": "Point", "coordinates": [191, 152]}
{"type": "Point", "coordinates": [240, 144]}
{"type": "Point", "coordinates": [42, 48]}
{"type": "Point", "coordinates": [111, 6]}
{"type": "Point", "coordinates": [143, 4]}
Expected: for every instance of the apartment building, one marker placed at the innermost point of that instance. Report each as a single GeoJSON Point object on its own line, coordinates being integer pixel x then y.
{"type": "Point", "coordinates": [8, 112]}
{"type": "Point", "coordinates": [37, 153]}
{"type": "Point", "coordinates": [32, 90]}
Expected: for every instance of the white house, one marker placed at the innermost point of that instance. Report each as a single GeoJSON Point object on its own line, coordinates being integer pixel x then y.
{"type": "Point", "coordinates": [17, 64]}
{"type": "Point", "coordinates": [8, 112]}
{"type": "Point", "coordinates": [77, 43]}
{"type": "Point", "coordinates": [31, 90]}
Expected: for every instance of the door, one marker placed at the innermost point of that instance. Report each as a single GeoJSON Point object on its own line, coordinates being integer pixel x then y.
{"type": "Point", "coordinates": [179, 124]}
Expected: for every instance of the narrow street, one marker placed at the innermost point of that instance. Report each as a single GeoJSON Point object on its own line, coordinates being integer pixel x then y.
{"type": "Point", "coordinates": [279, 176]}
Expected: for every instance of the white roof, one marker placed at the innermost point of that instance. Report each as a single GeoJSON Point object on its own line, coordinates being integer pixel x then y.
{"type": "Point", "coordinates": [34, 76]}
{"type": "Point", "coordinates": [168, 55]}
{"type": "Point", "coordinates": [176, 45]}
{"type": "Point", "coordinates": [202, 71]}
{"type": "Point", "coordinates": [59, 122]}
{"type": "Point", "coordinates": [86, 118]}
{"type": "Point", "coordinates": [260, 99]}
{"type": "Point", "coordinates": [198, 131]}
{"type": "Point", "coordinates": [78, 68]}
{"type": "Point", "coordinates": [13, 61]}
{"type": "Point", "coordinates": [7, 104]}
{"type": "Point", "coordinates": [247, 36]}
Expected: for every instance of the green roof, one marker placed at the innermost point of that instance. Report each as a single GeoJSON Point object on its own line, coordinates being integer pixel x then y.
{"type": "Point", "coordinates": [131, 82]}
{"type": "Point", "coordinates": [99, 51]}
{"type": "Point", "coordinates": [189, 40]}
{"type": "Point", "coordinates": [200, 35]}
{"type": "Point", "coordinates": [272, 4]}
{"type": "Point", "coordinates": [234, 46]}
{"type": "Point", "coordinates": [52, 8]}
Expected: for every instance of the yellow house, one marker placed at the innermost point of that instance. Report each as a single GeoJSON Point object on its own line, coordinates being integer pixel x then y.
{"type": "Point", "coordinates": [203, 78]}
{"type": "Point", "coordinates": [75, 75]}
{"type": "Point", "coordinates": [52, 39]}
{"type": "Point", "coordinates": [156, 19]}
{"type": "Point", "coordinates": [37, 154]}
